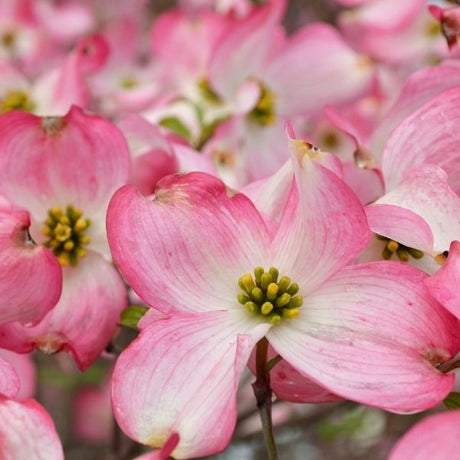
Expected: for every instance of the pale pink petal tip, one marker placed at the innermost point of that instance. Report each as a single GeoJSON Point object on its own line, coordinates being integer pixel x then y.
{"type": "Point", "coordinates": [164, 452]}
{"type": "Point", "coordinates": [206, 350]}
{"type": "Point", "coordinates": [27, 432]}
{"type": "Point", "coordinates": [303, 150]}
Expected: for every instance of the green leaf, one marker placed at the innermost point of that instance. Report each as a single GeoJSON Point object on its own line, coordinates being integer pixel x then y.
{"type": "Point", "coordinates": [176, 126]}
{"type": "Point", "coordinates": [132, 315]}
{"type": "Point", "coordinates": [452, 401]}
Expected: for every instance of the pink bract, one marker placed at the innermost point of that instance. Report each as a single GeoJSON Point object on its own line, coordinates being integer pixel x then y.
{"type": "Point", "coordinates": [27, 431]}
{"type": "Point", "coordinates": [369, 332]}
{"type": "Point", "coordinates": [30, 276]}
{"type": "Point", "coordinates": [69, 165]}
{"type": "Point", "coordinates": [422, 177]}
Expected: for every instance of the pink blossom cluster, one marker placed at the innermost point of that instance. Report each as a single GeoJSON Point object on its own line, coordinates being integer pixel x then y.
{"type": "Point", "coordinates": [287, 201]}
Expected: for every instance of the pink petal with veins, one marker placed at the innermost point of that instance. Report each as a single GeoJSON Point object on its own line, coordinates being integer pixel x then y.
{"type": "Point", "coordinates": [27, 431]}
{"type": "Point", "coordinates": [372, 334]}
{"type": "Point", "coordinates": [30, 276]}
{"type": "Point", "coordinates": [423, 194]}
{"type": "Point", "coordinates": [211, 347]}
{"type": "Point", "coordinates": [85, 318]}
{"type": "Point", "coordinates": [186, 209]}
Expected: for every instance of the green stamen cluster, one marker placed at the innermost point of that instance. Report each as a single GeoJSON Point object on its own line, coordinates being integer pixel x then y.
{"type": "Point", "coordinates": [66, 233]}
{"type": "Point", "coordinates": [264, 112]}
{"type": "Point", "coordinates": [270, 296]}
{"type": "Point", "coordinates": [403, 252]}
{"type": "Point", "coordinates": [16, 100]}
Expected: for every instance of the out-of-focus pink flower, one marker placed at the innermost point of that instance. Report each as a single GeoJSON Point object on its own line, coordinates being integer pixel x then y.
{"type": "Point", "coordinates": [92, 414]}
{"type": "Point", "coordinates": [154, 157]}
{"type": "Point", "coordinates": [64, 21]}
{"type": "Point", "coordinates": [57, 90]}
{"type": "Point", "coordinates": [180, 252]}
{"type": "Point", "coordinates": [434, 438]}
{"type": "Point", "coordinates": [64, 170]}
{"type": "Point", "coordinates": [402, 34]}
{"type": "Point", "coordinates": [236, 7]}
{"type": "Point", "coordinates": [183, 45]}
{"type": "Point", "coordinates": [295, 76]}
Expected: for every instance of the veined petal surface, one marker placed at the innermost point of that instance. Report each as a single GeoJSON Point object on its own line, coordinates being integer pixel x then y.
{"type": "Point", "coordinates": [428, 136]}
{"type": "Point", "coordinates": [30, 276]}
{"type": "Point", "coordinates": [423, 195]}
{"type": "Point", "coordinates": [323, 227]}
{"type": "Point", "coordinates": [27, 432]}
{"type": "Point", "coordinates": [373, 334]}
{"type": "Point", "coordinates": [83, 321]}
{"type": "Point", "coordinates": [186, 249]}
{"type": "Point", "coordinates": [78, 159]}
{"type": "Point", "coordinates": [180, 376]}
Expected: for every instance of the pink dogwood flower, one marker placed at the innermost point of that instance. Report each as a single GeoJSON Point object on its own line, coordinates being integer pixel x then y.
{"type": "Point", "coordinates": [225, 276]}
{"type": "Point", "coordinates": [64, 170]}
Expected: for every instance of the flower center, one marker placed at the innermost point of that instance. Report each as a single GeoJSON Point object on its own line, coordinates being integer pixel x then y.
{"type": "Point", "coordinates": [16, 100]}
{"type": "Point", "coordinates": [268, 295]}
{"type": "Point", "coordinates": [403, 252]}
{"type": "Point", "coordinates": [208, 93]}
{"type": "Point", "coordinates": [66, 233]}
{"type": "Point", "coordinates": [8, 38]}
{"type": "Point", "coordinates": [264, 112]}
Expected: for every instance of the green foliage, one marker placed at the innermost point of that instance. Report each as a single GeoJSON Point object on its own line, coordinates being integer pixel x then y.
{"type": "Point", "coordinates": [176, 126]}
{"type": "Point", "coordinates": [452, 401]}
{"type": "Point", "coordinates": [132, 315]}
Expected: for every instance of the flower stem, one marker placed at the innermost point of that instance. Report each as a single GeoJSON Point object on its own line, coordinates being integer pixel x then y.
{"type": "Point", "coordinates": [449, 366]}
{"type": "Point", "coordinates": [263, 394]}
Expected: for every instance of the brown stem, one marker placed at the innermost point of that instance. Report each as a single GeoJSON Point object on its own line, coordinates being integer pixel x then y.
{"type": "Point", "coordinates": [446, 367]}
{"type": "Point", "coordinates": [263, 394]}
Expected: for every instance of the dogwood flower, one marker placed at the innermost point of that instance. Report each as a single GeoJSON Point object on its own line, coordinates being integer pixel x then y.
{"type": "Point", "coordinates": [226, 277]}
{"type": "Point", "coordinates": [64, 170]}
